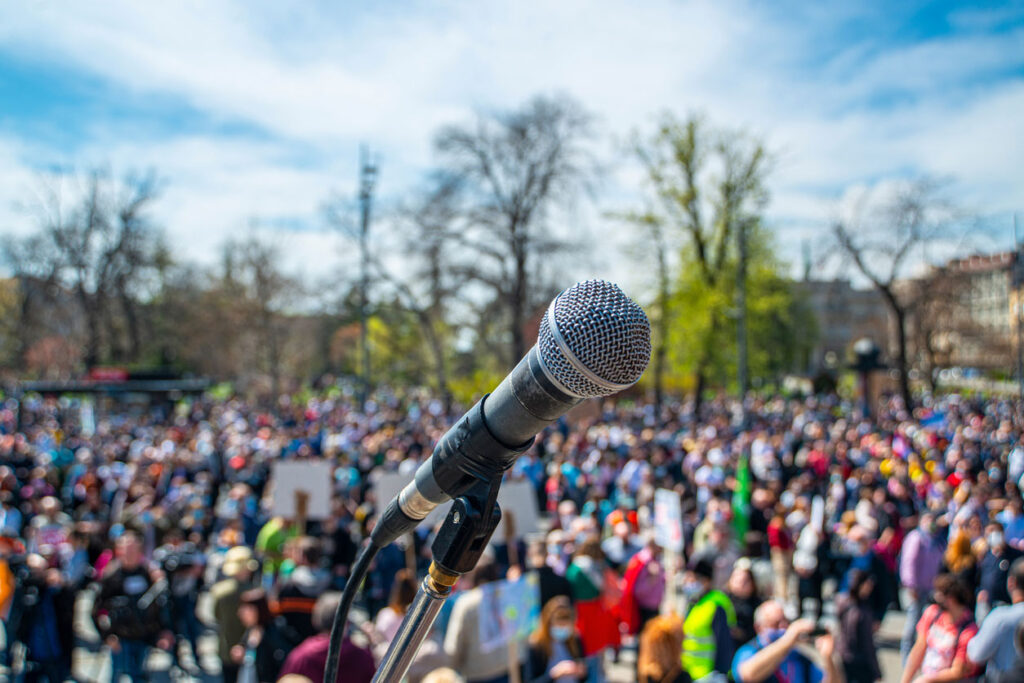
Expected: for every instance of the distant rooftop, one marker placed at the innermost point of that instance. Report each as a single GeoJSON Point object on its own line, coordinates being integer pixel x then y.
{"type": "Point", "coordinates": [978, 263]}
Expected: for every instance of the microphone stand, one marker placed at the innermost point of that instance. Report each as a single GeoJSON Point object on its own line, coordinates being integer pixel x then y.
{"type": "Point", "coordinates": [456, 549]}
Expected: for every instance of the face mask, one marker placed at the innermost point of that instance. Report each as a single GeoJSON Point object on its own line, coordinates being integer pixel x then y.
{"type": "Point", "coordinates": [561, 633]}
{"type": "Point", "coordinates": [995, 539]}
{"type": "Point", "coordinates": [554, 549]}
{"type": "Point", "coordinates": [693, 590]}
{"type": "Point", "coordinates": [773, 634]}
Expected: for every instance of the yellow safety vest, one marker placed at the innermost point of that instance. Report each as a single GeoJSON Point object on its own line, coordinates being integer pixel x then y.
{"type": "Point", "coordinates": [699, 645]}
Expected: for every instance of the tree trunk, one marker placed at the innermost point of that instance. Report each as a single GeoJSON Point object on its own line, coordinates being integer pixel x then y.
{"type": "Point", "coordinates": [901, 355]}
{"type": "Point", "coordinates": [701, 370]}
{"type": "Point", "coordinates": [25, 322]}
{"type": "Point", "coordinates": [698, 392]}
{"type": "Point", "coordinates": [437, 351]}
{"type": "Point", "coordinates": [92, 326]}
{"type": "Point", "coordinates": [661, 343]}
{"type": "Point", "coordinates": [899, 316]}
{"type": "Point", "coordinates": [132, 322]}
{"type": "Point", "coordinates": [659, 369]}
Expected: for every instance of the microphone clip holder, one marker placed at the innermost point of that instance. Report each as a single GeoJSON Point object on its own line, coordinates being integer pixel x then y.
{"type": "Point", "coordinates": [460, 541]}
{"type": "Point", "coordinates": [468, 528]}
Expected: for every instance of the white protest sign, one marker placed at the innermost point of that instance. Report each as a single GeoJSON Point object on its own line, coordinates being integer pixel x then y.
{"type": "Point", "coordinates": [668, 520]}
{"type": "Point", "coordinates": [517, 498]}
{"type": "Point", "coordinates": [312, 477]}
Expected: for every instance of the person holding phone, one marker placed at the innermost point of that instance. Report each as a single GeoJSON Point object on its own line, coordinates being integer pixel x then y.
{"type": "Point", "coordinates": [772, 655]}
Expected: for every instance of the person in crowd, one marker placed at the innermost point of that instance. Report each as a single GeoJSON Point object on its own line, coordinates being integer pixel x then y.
{"type": "Point", "coordinates": [46, 628]}
{"type": "Point", "coordinates": [50, 527]}
{"type": "Point", "coordinates": [262, 649]}
{"type": "Point", "coordinates": [386, 564]}
{"type": "Point", "coordinates": [383, 629]}
{"type": "Point", "coordinates": [887, 550]}
{"type": "Point", "coordinates": [597, 625]}
{"type": "Point", "coordinates": [551, 583]}
{"type": "Point", "coordinates": [1016, 671]}
{"type": "Point", "coordinates": [556, 650]}
{"type": "Point", "coordinates": [660, 651]}
{"type": "Point", "coordinates": [183, 565]}
{"type": "Point", "coordinates": [920, 561]}
{"type": "Point", "coordinates": [864, 558]}
{"type": "Point", "coordinates": [856, 632]}
{"type": "Point", "coordinates": [443, 675]}
{"type": "Point", "coordinates": [745, 599]}
{"type": "Point", "coordinates": [993, 644]}
{"type": "Point", "coordinates": [270, 544]}
{"type": "Point", "coordinates": [781, 543]}
{"type": "Point", "coordinates": [130, 610]}
{"type": "Point", "coordinates": [772, 655]}
{"type": "Point", "coordinates": [943, 632]}
{"type": "Point", "coordinates": [239, 569]}
{"type": "Point", "coordinates": [643, 587]}
{"type": "Point", "coordinates": [621, 546]}
{"type": "Point", "coordinates": [811, 560]}
{"type": "Point", "coordinates": [723, 553]}
{"type": "Point", "coordinates": [11, 518]}
{"type": "Point", "coordinates": [1012, 516]}
{"type": "Point", "coordinates": [296, 596]}
{"type": "Point", "coordinates": [10, 611]}
{"type": "Point", "coordinates": [389, 619]}
{"type": "Point", "coordinates": [477, 659]}
{"type": "Point", "coordinates": [960, 560]}
{"type": "Point", "coordinates": [994, 568]}
{"type": "Point", "coordinates": [343, 547]}
{"type": "Point", "coordinates": [708, 644]}
{"type": "Point", "coordinates": [355, 664]}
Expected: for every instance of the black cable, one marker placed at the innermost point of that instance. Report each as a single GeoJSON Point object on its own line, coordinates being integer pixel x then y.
{"type": "Point", "coordinates": [355, 579]}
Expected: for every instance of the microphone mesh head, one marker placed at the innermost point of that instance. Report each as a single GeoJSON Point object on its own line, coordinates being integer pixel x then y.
{"type": "Point", "coordinates": [593, 340]}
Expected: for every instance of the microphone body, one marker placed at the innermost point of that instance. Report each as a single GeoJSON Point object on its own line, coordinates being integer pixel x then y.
{"type": "Point", "coordinates": [593, 341]}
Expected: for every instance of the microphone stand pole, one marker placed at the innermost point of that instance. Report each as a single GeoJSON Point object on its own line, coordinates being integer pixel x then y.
{"type": "Point", "coordinates": [456, 549]}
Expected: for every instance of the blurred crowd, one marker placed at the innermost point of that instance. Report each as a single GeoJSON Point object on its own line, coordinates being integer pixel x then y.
{"type": "Point", "coordinates": [803, 522]}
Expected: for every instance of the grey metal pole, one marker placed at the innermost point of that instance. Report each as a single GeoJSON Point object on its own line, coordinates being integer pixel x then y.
{"type": "Point", "coordinates": [1017, 281]}
{"type": "Point", "coordinates": [415, 626]}
{"type": "Point", "coordinates": [741, 320]}
{"type": "Point", "coordinates": [368, 176]}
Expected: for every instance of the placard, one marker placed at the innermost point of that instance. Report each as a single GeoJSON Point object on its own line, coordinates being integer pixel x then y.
{"type": "Point", "coordinates": [668, 520]}
{"type": "Point", "coordinates": [310, 476]}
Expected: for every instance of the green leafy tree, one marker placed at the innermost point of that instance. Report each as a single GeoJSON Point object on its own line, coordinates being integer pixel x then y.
{"type": "Point", "coordinates": [705, 186]}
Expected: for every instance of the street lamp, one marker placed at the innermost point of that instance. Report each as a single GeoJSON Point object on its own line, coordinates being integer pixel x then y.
{"type": "Point", "coordinates": [866, 360]}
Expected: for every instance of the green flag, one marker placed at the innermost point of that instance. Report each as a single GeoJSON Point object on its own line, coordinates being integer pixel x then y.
{"type": "Point", "coordinates": [741, 499]}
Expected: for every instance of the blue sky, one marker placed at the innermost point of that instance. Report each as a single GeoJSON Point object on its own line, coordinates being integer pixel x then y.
{"type": "Point", "coordinates": [253, 112]}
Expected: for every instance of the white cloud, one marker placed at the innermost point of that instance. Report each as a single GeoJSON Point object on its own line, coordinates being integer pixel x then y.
{"type": "Point", "coordinates": [326, 77]}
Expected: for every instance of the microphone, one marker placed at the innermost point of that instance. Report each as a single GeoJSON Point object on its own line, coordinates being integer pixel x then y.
{"type": "Point", "coordinates": [593, 341]}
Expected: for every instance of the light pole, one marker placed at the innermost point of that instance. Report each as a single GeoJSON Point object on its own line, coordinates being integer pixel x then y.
{"type": "Point", "coordinates": [367, 180]}
{"type": "Point", "coordinates": [741, 321]}
{"type": "Point", "coordinates": [1017, 280]}
{"type": "Point", "coordinates": [866, 360]}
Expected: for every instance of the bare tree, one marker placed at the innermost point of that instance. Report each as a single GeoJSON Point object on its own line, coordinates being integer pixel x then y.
{"type": "Point", "coordinates": [515, 167]}
{"type": "Point", "coordinates": [100, 247]}
{"type": "Point", "coordinates": [428, 227]}
{"type": "Point", "coordinates": [880, 239]}
{"type": "Point", "coordinates": [267, 292]}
